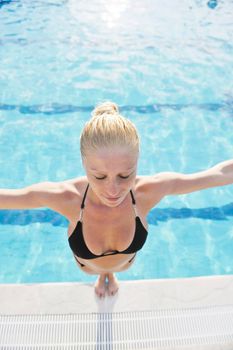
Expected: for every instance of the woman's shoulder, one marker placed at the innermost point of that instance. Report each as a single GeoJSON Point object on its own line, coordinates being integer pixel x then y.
{"type": "Point", "coordinates": [149, 190]}
{"type": "Point", "coordinates": [144, 182]}
{"type": "Point", "coordinates": [72, 193]}
{"type": "Point", "coordinates": [76, 185]}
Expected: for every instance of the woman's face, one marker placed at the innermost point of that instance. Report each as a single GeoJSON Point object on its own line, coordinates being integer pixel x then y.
{"type": "Point", "coordinates": [111, 173]}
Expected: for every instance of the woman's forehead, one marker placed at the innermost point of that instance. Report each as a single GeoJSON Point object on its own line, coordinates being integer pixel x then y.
{"type": "Point", "coordinates": [105, 165]}
{"type": "Point", "coordinates": [119, 154]}
{"type": "Point", "coordinates": [111, 161]}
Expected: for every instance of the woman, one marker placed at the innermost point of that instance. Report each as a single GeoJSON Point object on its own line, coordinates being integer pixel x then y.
{"type": "Point", "coordinates": [107, 208]}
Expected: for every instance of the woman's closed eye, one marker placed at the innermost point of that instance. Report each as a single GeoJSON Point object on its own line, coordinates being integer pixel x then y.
{"type": "Point", "coordinates": [104, 177]}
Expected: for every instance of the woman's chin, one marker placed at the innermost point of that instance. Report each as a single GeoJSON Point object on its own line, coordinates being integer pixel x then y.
{"type": "Point", "coordinates": [112, 202]}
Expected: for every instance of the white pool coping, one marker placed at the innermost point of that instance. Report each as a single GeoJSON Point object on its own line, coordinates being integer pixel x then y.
{"type": "Point", "coordinates": [59, 298]}
{"type": "Point", "coordinates": [141, 296]}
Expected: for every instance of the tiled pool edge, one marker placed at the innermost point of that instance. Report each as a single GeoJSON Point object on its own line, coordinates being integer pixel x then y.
{"type": "Point", "coordinates": [69, 298]}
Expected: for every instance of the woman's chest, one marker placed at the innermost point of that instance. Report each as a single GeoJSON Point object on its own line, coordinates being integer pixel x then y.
{"type": "Point", "coordinates": [106, 233]}
{"type": "Point", "coordinates": [105, 229]}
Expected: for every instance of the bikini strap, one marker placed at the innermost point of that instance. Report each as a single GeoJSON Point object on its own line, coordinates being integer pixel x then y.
{"type": "Point", "coordinates": [84, 197]}
{"type": "Point", "coordinates": [133, 200]}
{"type": "Point", "coordinates": [83, 204]}
{"type": "Point", "coordinates": [134, 203]}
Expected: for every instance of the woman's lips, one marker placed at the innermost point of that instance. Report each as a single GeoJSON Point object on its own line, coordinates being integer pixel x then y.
{"type": "Point", "coordinates": [112, 198]}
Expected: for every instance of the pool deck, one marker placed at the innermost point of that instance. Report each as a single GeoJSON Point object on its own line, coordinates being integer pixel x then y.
{"type": "Point", "coordinates": [188, 294]}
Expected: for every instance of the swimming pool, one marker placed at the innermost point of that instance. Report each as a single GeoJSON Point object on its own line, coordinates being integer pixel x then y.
{"type": "Point", "coordinates": [169, 66]}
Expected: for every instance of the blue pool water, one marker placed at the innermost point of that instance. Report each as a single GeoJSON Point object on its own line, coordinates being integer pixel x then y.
{"type": "Point", "coordinates": [169, 65]}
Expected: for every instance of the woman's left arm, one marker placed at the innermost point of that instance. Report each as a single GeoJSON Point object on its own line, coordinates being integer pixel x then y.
{"type": "Point", "coordinates": [219, 175]}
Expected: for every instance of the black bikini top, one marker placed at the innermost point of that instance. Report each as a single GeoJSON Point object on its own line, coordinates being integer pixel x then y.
{"type": "Point", "coordinates": [80, 249]}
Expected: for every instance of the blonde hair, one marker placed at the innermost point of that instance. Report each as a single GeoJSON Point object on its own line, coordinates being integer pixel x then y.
{"type": "Point", "coordinates": [106, 128]}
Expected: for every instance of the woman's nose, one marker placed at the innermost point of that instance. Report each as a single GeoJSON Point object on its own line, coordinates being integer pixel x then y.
{"type": "Point", "coordinates": [112, 189]}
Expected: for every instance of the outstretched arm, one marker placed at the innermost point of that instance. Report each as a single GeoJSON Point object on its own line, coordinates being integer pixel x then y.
{"type": "Point", "coordinates": [176, 183]}
{"type": "Point", "coordinates": [43, 194]}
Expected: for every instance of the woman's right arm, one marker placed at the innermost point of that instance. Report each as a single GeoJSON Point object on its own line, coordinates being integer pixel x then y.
{"type": "Point", "coordinates": [44, 194]}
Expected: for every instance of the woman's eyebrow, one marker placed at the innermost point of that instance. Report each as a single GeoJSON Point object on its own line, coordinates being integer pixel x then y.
{"type": "Point", "coordinates": [100, 171]}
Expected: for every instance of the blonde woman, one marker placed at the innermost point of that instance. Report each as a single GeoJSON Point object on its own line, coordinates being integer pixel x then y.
{"type": "Point", "coordinates": [107, 208]}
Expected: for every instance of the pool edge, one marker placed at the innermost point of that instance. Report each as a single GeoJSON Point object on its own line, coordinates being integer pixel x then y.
{"type": "Point", "coordinates": [79, 297]}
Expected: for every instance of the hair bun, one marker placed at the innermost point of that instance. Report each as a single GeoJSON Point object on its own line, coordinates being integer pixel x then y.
{"type": "Point", "coordinates": [105, 108]}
